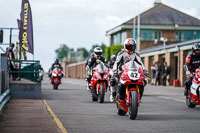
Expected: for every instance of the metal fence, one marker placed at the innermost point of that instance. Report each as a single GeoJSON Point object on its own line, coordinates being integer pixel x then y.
{"type": "Point", "coordinates": [27, 69]}
{"type": "Point", "coordinates": [4, 81]}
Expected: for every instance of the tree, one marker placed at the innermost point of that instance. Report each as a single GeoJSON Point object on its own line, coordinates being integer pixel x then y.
{"type": "Point", "coordinates": [62, 52]}
{"type": "Point", "coordinates": [85, 52]}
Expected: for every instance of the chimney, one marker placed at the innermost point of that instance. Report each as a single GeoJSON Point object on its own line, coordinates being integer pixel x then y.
{"type": "Point", "coordinates": [157, 2]}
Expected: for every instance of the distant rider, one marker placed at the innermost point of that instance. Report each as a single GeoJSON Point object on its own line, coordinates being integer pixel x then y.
{"type": "Point", "coordinates": [92, 62]}
{"type": "Point", "coordinates": [112, 88]}
{"type": "Point", "coordinates": [191, 64]}
{"type": "Point", "coordinates": [11, 56]}
{"type": "Point", "coordinates": [124, 56]}
{"type": "Point", "coordinates": [54, 65]}
{"type": "Point", "coordinates": [112, 61]}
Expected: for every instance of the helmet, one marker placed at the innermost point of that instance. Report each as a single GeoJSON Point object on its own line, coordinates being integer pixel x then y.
{"type": "Point", "coordinates": [130, 45]}
{"type": "Point", "coordinates": [113, 57]}
{"type": "Point", "coordinates": [57, 61]}
{"type": "Point", "coordinates": [12, 45]}
{"type": "Point", "coordinates": [98, 51]}
{"type": "Point", "coordinates": [196, 48]}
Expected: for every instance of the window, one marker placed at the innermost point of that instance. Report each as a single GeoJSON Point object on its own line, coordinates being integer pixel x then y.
{"type": "Point", "coordinates": [123, 37]}
{"type": "Point", "coordinates": [116, 38]}
{"type": "Point", "coordinates": [179, 36]}
{"type": "Point", "coordinates": [146, 35]}
{"type": "Point", "coordinates": [156, 35]}
{"type": "Point", "coordinates": [196, 34]}
{"type": "Point", "coordinates": [188, 35]}
{"type": "Point", "coordinates": [149, 35]}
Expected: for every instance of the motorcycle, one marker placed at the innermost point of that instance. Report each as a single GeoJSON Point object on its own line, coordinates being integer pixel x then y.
{"type": "Point", "coordinates": [56, 77]}
{"type": "Point", "coordinates": [41, 74]}
{"type": "Point", "coordinates": [132, 77]}
{"type": "Point", "coordinates": [193, 97]}
{"type": "Point", "coordinates": [99, 82]}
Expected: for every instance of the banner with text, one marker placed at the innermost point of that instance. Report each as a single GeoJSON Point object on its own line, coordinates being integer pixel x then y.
{"type": "Point", "coordinates": [26, 33]}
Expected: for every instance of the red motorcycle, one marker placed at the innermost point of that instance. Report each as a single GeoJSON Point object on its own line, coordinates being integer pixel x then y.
{"type": "Point", "coordinates": [56, 77]}
{"type": "Point", "coordinates": [132, 76]}
{"type": "Point", "coordinates": [193, 97]}
{"type": "Point", "coordinates": [99, 82]}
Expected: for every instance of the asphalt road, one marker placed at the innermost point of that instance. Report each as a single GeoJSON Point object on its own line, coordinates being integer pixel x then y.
{"type": "Point", "coordinates": [163, 110]}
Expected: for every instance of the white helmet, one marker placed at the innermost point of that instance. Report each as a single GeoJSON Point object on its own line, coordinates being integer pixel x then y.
{"type": "Point", "coordinates": [98, 51]}
{"type": "Point", "coordinates": [113, 57]}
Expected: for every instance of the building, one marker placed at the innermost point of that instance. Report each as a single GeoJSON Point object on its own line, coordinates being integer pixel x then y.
{"type": "Point", "coordinates": [174, 55]}
{"type": "Point", "coordinates": [180, 30]}
{"type": "Point", "coordinates": [159, 21]}
{"type": "Point", "coordinates": [75, 56]}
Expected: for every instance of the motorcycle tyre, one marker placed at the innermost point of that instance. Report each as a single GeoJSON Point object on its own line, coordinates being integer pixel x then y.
{"type": "Point", "coordinates": [102, 94]}
{"type": "Point", "coordinates": [133, 108]}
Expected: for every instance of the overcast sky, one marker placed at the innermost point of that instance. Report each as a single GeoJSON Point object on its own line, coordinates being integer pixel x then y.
{"type": "Point", "coordinates": [78, 23]}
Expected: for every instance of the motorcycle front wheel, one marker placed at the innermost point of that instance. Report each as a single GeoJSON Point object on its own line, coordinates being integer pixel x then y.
{"type": "Point", "coordinates": [102, 94]}
{"type": "Point", "coordinates": [133, 108]}
{"type": "Point", "coordinates": [55, 87]}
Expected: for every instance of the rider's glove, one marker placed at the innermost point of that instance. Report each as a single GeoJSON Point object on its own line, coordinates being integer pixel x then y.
{"type": "Point", "coordinates": [98, 61]}
{"type": "Point", "coordinates": [188, 74]}
{"type": "Point", "coordinates": [146, 73]}
{"type": "Point", "coordinates": [89, 73]}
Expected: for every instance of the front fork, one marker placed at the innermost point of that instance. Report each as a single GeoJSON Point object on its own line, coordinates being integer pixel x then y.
{"type": "Point", "coordinates": [128, 91]}
{"type": "Point", "coordinates": [98, 86]}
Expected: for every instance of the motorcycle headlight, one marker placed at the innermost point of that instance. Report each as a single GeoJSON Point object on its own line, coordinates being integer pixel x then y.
{"type": "Point", "coordinates": [98, 76]}
{"type": "Point", "coordinates": [105, 76]}
{"type": "Point", "coordinates": [198, 79]}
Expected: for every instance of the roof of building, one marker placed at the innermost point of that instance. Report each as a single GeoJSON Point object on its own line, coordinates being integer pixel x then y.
{"type": "Point", "coordinates": [162, 14]}
{"type": "Point", "coordinates": [176, 45]}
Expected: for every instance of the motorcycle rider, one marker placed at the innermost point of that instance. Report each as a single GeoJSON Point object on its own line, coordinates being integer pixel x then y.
{"type": "Point", "coordinates": [125, 55]}
{"type": "Point", "coordinates": [112, 88]}
{"type": "Point", "coordinates": [92, 62]}
{"type": "Point", "coordinates": [112, 61]}
{"type": "Point", "coordinates": [11, 56]}
{"type": "Point", "coordinates": [54, 65]}
{"type": "Point", "coordinates": [191, 64]}
{"type": "Point", "coordinates": [41, 72]}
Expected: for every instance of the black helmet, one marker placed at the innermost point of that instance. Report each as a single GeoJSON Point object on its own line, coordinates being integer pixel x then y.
{"type": "Point", "coordinates": [12, 45]}
{"type": "Point", "coordinates": [57, 61]}
{"type": "Point", "coordinates": [195, 48]}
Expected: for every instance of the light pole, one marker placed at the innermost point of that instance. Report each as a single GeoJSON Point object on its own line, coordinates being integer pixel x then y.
{"type": "Point", "coordinates": [164, 40]}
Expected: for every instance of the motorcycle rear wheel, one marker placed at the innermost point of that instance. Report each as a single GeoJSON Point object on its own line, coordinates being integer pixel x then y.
{"type": "Point", "coordinates": [102, 94]}
{"type": "Point", "coordinates": [133, 108]}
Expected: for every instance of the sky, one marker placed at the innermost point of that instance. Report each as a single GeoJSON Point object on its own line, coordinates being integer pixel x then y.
{"type": "Point", "coordinates": [78, 23]}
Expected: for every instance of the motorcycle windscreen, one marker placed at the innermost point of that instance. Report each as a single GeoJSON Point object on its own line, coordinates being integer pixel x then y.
{"type": "Point", "coordinates": [133, 70]}
{"type": "Point", "coordinates": [101, 68]}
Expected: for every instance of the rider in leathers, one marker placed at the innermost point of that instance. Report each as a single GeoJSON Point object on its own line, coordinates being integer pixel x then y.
{"type": "Point", "coordinates": [124, 56]}
{"type": "Point", "coordinates": [191, 64]}
{"type": "Point", "coordinates": [54, 65]}
{"type": "Point", "coordinates": [92, 62]}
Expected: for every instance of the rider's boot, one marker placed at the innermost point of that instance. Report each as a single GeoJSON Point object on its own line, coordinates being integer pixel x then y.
{"type": "Point", "coordinates": [185, 92]}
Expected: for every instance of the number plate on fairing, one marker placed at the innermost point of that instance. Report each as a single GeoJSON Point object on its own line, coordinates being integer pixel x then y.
{"type": "Point", "coordinates": [134, 75]}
